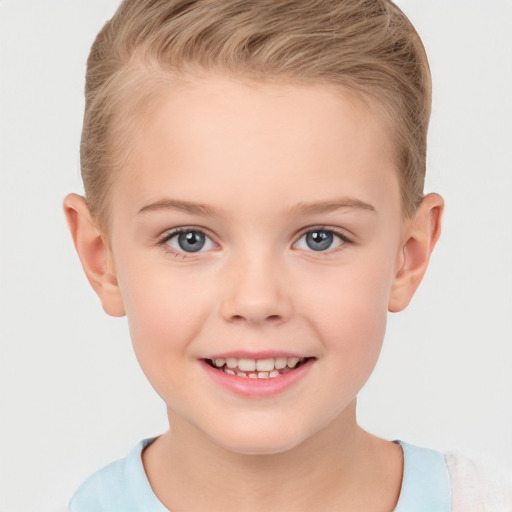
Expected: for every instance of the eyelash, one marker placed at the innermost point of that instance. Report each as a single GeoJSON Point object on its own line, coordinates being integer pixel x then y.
{"type": "Point", "coordinates": [164, 239]}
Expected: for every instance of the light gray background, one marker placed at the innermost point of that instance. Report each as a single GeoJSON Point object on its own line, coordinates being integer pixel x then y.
{"type": "Point", "coordinates": [72, 397]}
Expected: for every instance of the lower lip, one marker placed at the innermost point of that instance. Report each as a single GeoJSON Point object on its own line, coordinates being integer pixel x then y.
{"type": "Point", "coordinates": [258, 388]}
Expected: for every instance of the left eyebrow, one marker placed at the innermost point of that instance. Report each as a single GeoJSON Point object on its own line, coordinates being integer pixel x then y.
{"type": "Point", "coordinates": [175, 204]}
{"type": "Point", "coordinates": [317, 207]}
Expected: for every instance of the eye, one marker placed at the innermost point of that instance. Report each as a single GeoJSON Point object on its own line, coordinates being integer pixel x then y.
{"type": "Point", "coordinates": [188, 240]}
{"type": "Point", "coordinates": [321, 240]}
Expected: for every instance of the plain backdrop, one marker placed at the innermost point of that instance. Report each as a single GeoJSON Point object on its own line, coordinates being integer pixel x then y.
{"type": "Point", "coordinates": [72, 397]}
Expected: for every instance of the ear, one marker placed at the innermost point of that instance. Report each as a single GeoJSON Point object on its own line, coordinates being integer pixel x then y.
{"type": "Point", "coordinates": [420, 236]}
{"type": "Point", "coordinates": [95, 254]}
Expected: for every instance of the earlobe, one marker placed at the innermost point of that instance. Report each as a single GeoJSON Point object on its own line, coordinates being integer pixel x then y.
{"type": "Point", "coordinates": [94, 253]}
{"type": "Point", "coordinates": [420, 237]}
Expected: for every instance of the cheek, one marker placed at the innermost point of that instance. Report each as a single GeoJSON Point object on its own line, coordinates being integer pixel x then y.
{"type": "Point", "coordinates": [164, 313]}
{"type": "Point", "coordinates": [348, 309]}
{"type": "Point", "coordinates": [350, 323]}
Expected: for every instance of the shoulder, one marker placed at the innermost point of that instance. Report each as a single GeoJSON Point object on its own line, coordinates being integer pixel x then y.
{"type": "Point", "coordinates": [451, 482]}
{"type": "Point", "coordinates": [101, 490]}
{"type": "Point", "coordinates": [478, 486]}
{"type": "Point", "coordinates": [425, 481]}
{"type": "Point", "coordinates": [122, 485]}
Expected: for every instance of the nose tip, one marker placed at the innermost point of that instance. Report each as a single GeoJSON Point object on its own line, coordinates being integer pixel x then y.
{"type": "Point", "coordinates": [258, 295]}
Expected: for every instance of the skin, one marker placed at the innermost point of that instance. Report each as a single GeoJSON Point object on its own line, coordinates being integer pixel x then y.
{"type": "Point", "coordinates": [267, 162]}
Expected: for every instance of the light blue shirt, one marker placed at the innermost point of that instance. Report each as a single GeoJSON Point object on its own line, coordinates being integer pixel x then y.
{"type": "Point", "coordinates": [124, 487]}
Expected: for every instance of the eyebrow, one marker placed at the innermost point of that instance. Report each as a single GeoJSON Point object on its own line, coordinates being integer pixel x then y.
{"type": "Point", "coordinates": [316, 207]}
{"type": "Point", "coordinates": [175, 204]}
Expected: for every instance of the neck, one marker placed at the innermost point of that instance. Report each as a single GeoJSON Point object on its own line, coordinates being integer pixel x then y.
{"type": "Point", "coordinates": [333, 468]}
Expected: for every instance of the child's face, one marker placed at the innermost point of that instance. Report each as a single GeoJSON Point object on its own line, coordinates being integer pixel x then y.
{"type": "Point", "coordinates": [290, 197]}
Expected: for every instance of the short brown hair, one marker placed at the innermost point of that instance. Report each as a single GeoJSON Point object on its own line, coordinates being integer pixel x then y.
{"type": "Point", "coordinates": [366, 46]}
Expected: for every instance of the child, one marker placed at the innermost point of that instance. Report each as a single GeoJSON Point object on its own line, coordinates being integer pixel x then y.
{"type": "Point", "coordinates": [254, 204]}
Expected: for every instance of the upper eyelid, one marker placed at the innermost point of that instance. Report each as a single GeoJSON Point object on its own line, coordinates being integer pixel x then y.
{"type": "Point", "coordinates": [342, 233]}
{"type": "Point", "coordinates": [169, 233]}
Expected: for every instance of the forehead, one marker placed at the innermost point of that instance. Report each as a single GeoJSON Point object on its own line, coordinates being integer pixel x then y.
{"type": "Point", "coordinates": [215, 138]}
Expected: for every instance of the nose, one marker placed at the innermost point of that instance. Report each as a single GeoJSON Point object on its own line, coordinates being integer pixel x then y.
{"type": "Point", "coordinates": [257, 292]}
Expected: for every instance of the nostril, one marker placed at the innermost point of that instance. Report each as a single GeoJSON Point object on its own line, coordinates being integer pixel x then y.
{"type": "Point", "coordinates": [251, 319]}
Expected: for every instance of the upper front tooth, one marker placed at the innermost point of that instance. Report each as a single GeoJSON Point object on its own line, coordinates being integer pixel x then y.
{"type": "Point", "coordinates": [265, 365]}
{"type": "Point", "coordinates": [219, 362]}
{"type": "Point", "coordinates": [232, 362]}
{"type": "Point", "coordinates": [280, 363]}
{"type": "Point", "coordinates": [247, 365]}
{"type": "Point", "coordinates": [292, 362]}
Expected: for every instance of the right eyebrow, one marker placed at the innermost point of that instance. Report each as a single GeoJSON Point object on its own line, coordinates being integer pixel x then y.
{"type": "Point", "coordinates": [183, 206]}
{"type": "Point", "coordinates": [319, 207]}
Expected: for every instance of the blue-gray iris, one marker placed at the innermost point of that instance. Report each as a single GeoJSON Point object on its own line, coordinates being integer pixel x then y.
{"type": "Point", "coordinates": [319, 240]}
{"type": "Point", "coordinates": [192, 241]}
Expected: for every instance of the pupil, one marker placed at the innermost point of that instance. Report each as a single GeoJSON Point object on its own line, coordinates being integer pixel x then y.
{"type": "Point", "coordinates": [191, 241]}
{"type": "Point", "coordinates": [319, 240]}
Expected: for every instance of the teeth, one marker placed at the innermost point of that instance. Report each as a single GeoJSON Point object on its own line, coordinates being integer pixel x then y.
{"type": "Point", "coordinates": [265, 365]}
{"type": "Point", "coordinates": [256, 368]}
{"type": "Point", "coordinates": [292, 362]}
{"type": "Point", "coordinates": [247, 365]}
{"type": "Point", "coordinates": [280, 363]}
{"type": "Point", "coordinates": [232, 362]}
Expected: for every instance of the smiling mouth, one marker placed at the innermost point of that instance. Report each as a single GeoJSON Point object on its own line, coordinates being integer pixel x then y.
{"type": "Point", "coordinates": [269, 368]}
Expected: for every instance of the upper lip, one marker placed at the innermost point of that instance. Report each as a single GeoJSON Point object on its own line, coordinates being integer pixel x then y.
{"type": "Point", "coordinates": [267, 354]}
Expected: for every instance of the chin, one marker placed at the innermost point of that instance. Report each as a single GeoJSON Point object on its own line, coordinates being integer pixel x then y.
{"type": "Point", "coordinates": [258, 439]}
